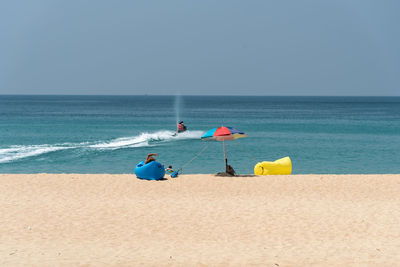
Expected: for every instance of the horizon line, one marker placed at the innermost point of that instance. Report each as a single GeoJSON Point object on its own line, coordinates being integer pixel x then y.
{"type": "Point", "coordinates": [198, 95]}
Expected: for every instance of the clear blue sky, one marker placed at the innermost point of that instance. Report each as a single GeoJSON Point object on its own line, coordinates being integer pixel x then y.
{"type": "Point", "coordinates": [266, 47]}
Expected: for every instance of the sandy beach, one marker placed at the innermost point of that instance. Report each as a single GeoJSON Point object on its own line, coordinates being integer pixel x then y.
{"type": "Point", "coordinates": [118, 220]}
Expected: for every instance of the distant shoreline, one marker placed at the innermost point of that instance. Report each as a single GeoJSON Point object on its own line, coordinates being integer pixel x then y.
{"type": "Point", "coordinates": [272, 96]}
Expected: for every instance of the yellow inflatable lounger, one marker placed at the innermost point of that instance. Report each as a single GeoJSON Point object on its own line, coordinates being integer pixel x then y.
{"type": "Point", "coordinates": [280, 166]}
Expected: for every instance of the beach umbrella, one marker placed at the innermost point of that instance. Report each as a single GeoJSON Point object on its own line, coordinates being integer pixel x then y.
{"type": "Point", "coordinates": [223, 133]}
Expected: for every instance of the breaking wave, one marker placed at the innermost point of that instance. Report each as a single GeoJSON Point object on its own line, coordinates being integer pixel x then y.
{"type": "Point", "coordinates": [17, 152]}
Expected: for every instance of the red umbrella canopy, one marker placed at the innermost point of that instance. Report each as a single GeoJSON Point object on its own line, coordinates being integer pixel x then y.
{"type": "Point", "coordinates": [223, 133]}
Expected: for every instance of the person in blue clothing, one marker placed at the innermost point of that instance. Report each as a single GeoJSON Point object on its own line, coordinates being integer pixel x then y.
{"type": "Point", "coordinates": [169, 170]}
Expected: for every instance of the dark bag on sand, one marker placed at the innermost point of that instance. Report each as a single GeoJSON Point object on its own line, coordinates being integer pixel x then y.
{"type": "Point", "coordinates": [229, 171]}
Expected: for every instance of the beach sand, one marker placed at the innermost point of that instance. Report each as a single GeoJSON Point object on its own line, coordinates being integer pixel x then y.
{"type": "Point", "coordinates": [118, 220]}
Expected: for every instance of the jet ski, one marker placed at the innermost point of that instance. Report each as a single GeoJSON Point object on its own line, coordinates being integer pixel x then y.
{"type": "Point", "coordinates": [181, 128]}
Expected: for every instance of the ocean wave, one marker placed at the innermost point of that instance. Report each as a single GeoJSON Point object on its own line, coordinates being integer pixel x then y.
{"type": "Point", "coordinates": [18, 152]}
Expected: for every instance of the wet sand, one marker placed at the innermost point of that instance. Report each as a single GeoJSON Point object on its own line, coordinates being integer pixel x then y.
{"type": "Point", "coordinates": [118, 220]}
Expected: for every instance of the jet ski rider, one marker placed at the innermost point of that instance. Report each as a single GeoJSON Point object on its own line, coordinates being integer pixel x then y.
{"type": "Point", "coordinates": [181, 127]}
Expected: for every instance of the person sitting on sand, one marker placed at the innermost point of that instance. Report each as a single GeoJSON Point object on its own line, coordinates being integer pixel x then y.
{"type": "Point", "coordinates": [169, 169]}
{"type": "Point", "coordinates": [150, 158]}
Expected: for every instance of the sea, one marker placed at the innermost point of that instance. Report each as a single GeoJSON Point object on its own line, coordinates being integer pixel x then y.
{"type": "Point", "coordinates": [111, 134]}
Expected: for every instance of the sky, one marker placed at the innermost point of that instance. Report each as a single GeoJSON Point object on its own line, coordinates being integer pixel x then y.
{"type": "Point", "coordinates": [266, 47]}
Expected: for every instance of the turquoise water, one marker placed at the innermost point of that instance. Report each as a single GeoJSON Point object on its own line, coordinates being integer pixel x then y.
{"type": "Point", "coordinates": [110, 134]}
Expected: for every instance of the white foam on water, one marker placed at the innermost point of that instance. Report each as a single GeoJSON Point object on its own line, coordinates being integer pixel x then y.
{"type": "Point", "coordinates": [144, 139]}
{"type": "Point", "coordinates": [20, 152]}
{"type": "Point", "coordinates": [14, 153]}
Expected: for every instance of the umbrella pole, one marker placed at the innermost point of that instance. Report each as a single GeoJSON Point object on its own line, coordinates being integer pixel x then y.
{"type": "Point", "coordinates": [226, 159]}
